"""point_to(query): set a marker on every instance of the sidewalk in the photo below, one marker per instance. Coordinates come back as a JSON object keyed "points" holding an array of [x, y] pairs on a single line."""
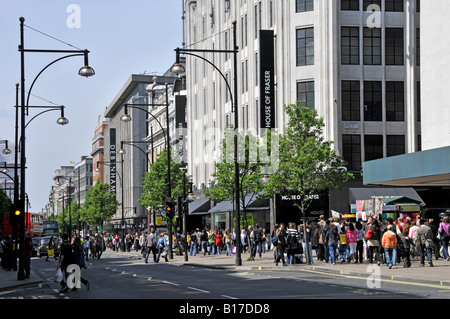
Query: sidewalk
{"points": [[437, 275]]}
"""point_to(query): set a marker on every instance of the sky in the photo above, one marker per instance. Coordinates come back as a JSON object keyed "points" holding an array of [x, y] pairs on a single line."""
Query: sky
{"points": [[123, 37]]}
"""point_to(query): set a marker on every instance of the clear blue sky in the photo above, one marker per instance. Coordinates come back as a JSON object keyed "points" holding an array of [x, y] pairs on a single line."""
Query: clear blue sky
{"points": [[124, 38]]}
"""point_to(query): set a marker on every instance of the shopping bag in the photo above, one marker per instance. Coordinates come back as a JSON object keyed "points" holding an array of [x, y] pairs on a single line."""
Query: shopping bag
{"points": [[58, 275], [233, 249], [51, 253]]}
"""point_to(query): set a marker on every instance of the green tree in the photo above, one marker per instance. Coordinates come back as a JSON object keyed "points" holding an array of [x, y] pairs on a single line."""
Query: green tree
{"points": [[308, 166], [99, 206], [223, 185], [154, 184], [73, 214]]}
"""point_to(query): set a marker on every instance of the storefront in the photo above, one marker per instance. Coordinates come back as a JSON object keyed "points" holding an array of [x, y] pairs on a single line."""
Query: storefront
{"points": [[385, 202]]}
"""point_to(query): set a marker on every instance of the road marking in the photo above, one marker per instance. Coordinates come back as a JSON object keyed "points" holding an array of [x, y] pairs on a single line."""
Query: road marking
{"points": [[200, 290], [170, 283], [381, 279], [229, 297]]}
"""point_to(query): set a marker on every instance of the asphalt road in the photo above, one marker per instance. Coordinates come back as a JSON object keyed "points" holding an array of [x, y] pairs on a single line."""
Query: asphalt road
{"points": [[125, 278]]}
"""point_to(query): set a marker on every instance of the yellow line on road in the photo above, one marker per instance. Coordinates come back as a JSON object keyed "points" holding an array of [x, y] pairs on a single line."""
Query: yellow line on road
{"points": [[381, 279]]}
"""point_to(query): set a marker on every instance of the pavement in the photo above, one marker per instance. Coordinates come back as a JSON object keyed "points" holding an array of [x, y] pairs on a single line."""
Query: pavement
{"points": [[436, 276]]}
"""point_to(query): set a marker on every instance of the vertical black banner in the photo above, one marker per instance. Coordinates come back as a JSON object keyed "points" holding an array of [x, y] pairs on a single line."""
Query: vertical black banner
{"points": [[181, 129], [112, 160], [267, 78]]}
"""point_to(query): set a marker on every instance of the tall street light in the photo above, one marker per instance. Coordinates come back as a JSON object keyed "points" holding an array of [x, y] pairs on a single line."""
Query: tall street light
{"points": [[178, 68], [126, 118], [85, 71]]}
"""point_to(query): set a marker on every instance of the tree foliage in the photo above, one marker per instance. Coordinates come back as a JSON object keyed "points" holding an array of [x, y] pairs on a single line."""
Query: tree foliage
{"points": [[100, 205], [308, 165], [154, 184]]}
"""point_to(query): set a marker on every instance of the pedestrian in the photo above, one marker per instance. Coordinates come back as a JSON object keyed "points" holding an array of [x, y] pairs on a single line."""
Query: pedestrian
{"points": [[150, 246], [79, 259], [407, 243], [228, 239], [28, 252], [444, 233], [359, 254], [257, 242], [425, 240], [86, 247], [331, 240], [321, 224], [264, 244], [116, 243], [281, 244], [413, 235], [211, 242], [373, 241], [366, 240], [142, 243], [243, 241], [306, 237], [343, 243], [137, 242], [293, 243], [193, 243], [219, 241], [162, 247], [65, 259], [436, 241], [352, 240], [204, 242], [99, 245], [51, 248], [389, 242], [274, 242]]}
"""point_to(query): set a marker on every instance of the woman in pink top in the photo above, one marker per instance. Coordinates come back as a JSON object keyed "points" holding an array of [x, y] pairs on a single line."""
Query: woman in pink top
{"points": [[352, 239], [412, 234], [444, 232]]}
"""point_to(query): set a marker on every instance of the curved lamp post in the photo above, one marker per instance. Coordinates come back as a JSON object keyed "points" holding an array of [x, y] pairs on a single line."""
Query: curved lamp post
{"points": [[178, 68], [85, 71]]}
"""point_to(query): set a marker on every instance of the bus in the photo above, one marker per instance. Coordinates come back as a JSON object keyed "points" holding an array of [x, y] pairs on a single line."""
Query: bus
{"points": [[33, 224], [50, 228]]}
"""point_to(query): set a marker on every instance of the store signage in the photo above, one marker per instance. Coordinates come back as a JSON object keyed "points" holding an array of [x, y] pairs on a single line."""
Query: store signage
{"points": [[112, 160], [267, 79], [180, 130]]}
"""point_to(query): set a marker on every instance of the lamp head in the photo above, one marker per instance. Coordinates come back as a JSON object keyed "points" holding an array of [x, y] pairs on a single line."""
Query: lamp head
{"points": [[86, 71]]}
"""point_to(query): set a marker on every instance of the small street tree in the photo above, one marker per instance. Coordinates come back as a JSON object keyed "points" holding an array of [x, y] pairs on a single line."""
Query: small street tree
{"points": [[223, 187], [308, 166], [99, 206], [154, 184]]}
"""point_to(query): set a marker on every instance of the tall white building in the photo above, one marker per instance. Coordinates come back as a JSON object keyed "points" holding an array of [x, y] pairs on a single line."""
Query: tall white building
{"points": [[355, 61]]}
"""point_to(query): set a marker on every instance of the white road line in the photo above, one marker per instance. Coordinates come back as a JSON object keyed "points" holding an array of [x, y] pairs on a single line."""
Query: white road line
{"points": [[229, 297], [200, 290], [170, 283]]}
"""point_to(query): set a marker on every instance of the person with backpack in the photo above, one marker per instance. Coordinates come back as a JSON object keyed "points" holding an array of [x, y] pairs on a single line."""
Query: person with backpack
{"points": [[281, 244], [257, 242], [332, 239], [293, 243], [161, 246]]}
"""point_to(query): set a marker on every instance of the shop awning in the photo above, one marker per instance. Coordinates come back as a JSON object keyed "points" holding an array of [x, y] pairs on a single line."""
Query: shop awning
{"points": [[199, 207], [252, 204], [393, 195]]}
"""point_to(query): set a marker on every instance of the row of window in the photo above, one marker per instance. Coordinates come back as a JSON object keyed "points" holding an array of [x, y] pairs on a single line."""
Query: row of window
{"points": [[350, 46], [372, 99], [354, 5], [373, 148]]}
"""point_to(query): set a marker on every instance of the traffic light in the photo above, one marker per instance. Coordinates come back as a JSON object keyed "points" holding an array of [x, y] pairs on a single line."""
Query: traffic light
{"points": [[170, 207], [14, 213]]}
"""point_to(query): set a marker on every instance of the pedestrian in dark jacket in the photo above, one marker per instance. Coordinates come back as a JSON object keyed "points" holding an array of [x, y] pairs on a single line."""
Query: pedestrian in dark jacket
{"points": [[407, 243], [332, 239], [281, 246]]}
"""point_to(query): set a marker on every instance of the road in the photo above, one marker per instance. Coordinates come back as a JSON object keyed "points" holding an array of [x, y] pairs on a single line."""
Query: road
{"points": [[124, 277]]}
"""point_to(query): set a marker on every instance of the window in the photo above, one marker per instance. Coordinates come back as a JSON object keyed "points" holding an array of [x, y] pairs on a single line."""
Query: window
{"points": [[350, 101], [372, 101], [367, 3], [304, 5], [373, 147], [372, 46], [350, 45], [394, 5], [352, 5], [394, 46], [352, 151], [395, 145], [395, 101], [418, 46], [305, 93], [305, 46]]}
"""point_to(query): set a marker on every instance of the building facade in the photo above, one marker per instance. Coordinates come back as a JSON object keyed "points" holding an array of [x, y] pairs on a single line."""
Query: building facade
{"points": [[355, 61]]}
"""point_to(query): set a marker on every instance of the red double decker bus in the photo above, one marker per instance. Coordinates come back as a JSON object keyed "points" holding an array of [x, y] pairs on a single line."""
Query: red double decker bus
{"points": [[34, 223]]}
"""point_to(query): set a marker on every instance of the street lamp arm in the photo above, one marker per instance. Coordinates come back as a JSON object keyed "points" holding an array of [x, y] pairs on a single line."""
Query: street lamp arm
{"points": [[46, 67], [133, 106], [49, 110], [189, 52]]}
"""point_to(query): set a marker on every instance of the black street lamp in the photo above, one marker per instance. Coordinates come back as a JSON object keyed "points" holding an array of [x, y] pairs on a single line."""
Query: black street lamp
{"points": [[86, 71], [178, 68], [126, 118]]}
